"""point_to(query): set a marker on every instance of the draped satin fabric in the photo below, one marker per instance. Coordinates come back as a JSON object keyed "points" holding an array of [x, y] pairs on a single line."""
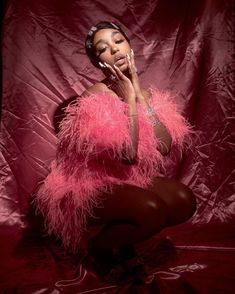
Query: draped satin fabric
{"points": [[185, 47]]}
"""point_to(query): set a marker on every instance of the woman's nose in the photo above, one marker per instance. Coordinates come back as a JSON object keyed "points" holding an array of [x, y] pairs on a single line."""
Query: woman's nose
{"points": [[114, 49]]}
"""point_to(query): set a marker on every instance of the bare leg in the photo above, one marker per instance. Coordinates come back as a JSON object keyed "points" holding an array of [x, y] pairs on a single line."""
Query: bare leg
{"points": [[179, 199], [132, 214]]}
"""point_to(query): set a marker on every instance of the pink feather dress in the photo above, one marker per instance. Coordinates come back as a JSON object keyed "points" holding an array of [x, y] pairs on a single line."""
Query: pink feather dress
{"points": [[91, 140]]}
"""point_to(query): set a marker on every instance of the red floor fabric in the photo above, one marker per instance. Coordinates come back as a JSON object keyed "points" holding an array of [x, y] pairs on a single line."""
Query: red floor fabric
{"points": [[183, 46]]}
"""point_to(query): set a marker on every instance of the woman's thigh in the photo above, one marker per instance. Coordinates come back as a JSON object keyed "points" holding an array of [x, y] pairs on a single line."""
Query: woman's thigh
{"points": [[165, 201], [129, 204]]}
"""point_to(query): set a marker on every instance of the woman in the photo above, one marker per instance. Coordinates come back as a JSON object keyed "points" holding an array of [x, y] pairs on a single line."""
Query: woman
{"points": [[113, 144]]}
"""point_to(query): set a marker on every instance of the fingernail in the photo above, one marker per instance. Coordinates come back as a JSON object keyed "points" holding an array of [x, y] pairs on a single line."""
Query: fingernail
{"points": [[101, 64], [128, 57], [106, 64], [132, 52], [115, 66]]}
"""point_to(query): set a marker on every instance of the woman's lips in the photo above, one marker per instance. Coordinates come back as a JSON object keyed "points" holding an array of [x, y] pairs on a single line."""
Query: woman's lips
{"points": [[120, 61]]}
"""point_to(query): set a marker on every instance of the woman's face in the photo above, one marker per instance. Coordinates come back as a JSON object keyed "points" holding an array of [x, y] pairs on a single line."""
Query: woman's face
{"points": [[111, 47]]}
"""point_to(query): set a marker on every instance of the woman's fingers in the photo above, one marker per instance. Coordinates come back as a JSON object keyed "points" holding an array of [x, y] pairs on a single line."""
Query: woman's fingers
{"points": [[133, 60], [108, 67], [131, 64], [116, 73], [132, 57], [119, 73], [112, 70], [128, 59]]}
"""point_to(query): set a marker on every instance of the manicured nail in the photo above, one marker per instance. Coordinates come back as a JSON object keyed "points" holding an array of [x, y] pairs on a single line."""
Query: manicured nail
{"points": [[106, 64], [128, 57], [132, 52], [101, 65]]}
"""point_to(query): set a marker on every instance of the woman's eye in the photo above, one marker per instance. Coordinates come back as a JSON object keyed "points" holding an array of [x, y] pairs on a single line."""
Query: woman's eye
{"points": [[101, 50], [119, 41]]}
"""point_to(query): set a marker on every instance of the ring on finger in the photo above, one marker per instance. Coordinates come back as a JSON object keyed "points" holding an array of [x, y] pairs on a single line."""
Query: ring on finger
{"points": [[112, 77]]}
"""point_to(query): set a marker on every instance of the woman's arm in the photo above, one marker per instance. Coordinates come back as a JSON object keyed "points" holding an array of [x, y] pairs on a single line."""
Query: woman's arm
{"points": [[130, 156], [160, 130]]}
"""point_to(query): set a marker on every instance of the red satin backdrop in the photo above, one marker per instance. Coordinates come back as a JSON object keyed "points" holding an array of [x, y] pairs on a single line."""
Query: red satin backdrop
{"points": [[184, 46]]}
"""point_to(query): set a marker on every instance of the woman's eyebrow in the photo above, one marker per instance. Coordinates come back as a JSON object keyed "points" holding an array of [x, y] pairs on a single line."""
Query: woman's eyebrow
{"points": [[103, 41]]}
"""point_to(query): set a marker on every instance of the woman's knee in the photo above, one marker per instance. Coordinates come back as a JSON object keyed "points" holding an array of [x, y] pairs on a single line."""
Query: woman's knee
{"points": [[135, 206], [187, 200]]}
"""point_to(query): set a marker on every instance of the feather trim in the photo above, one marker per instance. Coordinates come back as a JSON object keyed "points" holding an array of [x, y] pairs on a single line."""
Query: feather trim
{"points": [[181, 131], [91, 141]]}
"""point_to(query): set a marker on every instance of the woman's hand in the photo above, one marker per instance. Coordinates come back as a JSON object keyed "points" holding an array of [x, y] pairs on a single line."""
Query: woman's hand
{"points": [[121, 84], [133, 75]]}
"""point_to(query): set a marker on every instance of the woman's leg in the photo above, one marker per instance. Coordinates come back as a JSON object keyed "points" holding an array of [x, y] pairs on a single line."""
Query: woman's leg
{"points": [[131, 215], [179, 199]]}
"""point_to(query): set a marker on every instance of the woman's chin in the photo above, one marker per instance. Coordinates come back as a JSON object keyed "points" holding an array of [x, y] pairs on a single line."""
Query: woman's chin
{"points": [[123, 68]]}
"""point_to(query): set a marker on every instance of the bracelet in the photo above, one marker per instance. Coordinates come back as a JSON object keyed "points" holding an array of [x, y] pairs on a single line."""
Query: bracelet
{"points": [[155, 121], [150, 111]]}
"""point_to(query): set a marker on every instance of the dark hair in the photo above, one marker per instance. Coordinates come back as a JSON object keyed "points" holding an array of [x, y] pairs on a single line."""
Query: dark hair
{"points": [[90, 37]]}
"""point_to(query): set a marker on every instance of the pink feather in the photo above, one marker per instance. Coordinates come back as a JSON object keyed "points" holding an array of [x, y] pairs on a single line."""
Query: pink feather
{"points": [[92, 137]]}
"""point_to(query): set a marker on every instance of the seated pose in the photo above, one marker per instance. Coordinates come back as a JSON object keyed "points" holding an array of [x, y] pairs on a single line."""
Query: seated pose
{"points": [[114, 142]]}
